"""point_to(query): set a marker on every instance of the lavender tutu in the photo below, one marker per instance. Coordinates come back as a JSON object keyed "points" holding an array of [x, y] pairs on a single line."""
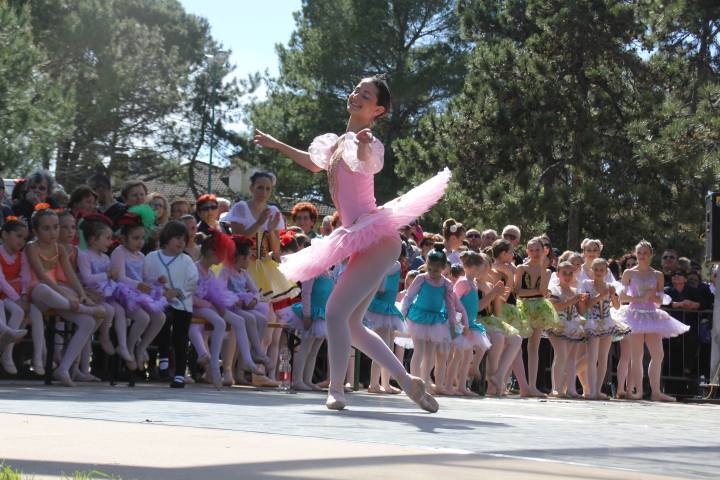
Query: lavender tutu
{"points": [[213, 290], [650, 321], [132, 299], [368, 230]]}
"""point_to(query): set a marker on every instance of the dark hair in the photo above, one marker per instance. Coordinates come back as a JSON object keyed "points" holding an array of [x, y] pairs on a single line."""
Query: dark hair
{"points": [[437, 255], [171, 230], [42, 176], [384, 97], [625, 258], [205, 241], [65, 213], [13, 226], [449, 224], [679, 273], [291, 245], [471, 259], [499, 246], [92, 229], [100, 180], [243, 245], [303, 240], [457, 270], [39, 215], [79, 194], [258, 175]]}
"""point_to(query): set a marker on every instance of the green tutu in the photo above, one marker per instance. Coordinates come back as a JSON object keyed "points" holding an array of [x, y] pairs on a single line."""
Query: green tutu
{"points": [[494, 324], [539, 313], [511, 315]]}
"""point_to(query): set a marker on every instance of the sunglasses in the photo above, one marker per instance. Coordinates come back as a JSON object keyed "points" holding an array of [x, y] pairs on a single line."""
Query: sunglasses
{"points": [[208, 208]]}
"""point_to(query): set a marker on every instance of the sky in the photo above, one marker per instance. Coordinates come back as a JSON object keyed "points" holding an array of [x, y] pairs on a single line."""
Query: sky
{"points": [[249, 28]]}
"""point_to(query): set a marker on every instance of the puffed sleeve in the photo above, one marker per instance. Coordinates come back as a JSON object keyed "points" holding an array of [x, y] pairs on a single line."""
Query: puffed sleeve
{"points": [[321, 149], [238, 214], [370, 166], [281, 224]]}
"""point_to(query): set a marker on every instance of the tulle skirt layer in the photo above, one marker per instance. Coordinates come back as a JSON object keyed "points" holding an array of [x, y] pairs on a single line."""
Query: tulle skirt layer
{"points": [[132, 299], [377, 321], [273, 285], [511, 315], [570, 329], [539, 312], [651, 321], [495, 325], [368, 230], [437, 332]]}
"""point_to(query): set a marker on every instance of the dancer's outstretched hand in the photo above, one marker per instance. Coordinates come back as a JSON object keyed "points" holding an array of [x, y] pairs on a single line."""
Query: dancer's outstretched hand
{"points": [[365, 136], [265, 140]]}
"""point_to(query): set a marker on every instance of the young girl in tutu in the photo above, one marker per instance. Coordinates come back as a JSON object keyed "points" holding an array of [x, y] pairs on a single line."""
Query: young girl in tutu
{"points": [[212, 302], [569, 332], [51, 270], [250, 306], [368, 235], [311, 312], [600, 327], [454, 234], [142, 303], [643, 289], [14, 285], [532, 281], [385, 319], [428, 306], [473, 340], [493, 295]]}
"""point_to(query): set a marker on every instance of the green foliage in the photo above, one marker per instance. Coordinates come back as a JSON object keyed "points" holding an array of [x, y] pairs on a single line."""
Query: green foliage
{"points": [[34, 111]]}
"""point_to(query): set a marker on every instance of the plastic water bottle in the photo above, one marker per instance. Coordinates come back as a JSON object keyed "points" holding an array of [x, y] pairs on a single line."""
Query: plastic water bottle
{"points": [[285, 370]]}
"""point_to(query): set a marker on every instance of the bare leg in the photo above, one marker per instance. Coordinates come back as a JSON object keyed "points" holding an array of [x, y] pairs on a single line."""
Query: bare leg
{"points": [[570, 372], [655, 347], [603, 351], [310, 363], [591, 369], [637, 345], [493, 362], [510, 353], [533, 359], [559, 366]]}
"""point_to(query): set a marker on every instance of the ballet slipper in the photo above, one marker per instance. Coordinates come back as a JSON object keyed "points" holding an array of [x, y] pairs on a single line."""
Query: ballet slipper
{"points": [[203, 361], [7, 364], [535, 393], [216, 379], [38, 365], [391, 390], [377, 389], [335, 401], [416, 392], [85, 377], [242, 381], [263, 382], [315, 388], [63, 376], [254, 369], [301, 386], [227, 379], [16, 335], [661, 397], [554, 394], [324, 384], [620, 395]]}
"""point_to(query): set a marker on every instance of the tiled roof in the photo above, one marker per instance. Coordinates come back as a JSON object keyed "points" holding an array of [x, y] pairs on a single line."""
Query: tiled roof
{"points": [[174, 191]]}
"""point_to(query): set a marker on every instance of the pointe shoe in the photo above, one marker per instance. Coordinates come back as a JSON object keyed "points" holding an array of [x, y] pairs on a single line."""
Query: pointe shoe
{"points": [[417, 393], [63, 376], [8, 365], [263, 382], [203, 361], [254, 369], [335, 401]]}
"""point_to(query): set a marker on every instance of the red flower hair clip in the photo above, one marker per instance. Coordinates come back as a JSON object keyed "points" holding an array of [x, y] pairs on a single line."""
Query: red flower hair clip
{"points": [[286, 237], [97, 217], [129, 219], [10, 218]]}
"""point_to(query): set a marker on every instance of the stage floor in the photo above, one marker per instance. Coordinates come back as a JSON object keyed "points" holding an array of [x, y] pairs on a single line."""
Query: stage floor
{"points": [[244, 433]]}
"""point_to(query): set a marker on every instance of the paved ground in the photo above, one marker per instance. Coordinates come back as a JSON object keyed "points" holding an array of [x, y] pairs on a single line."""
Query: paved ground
{"points": [[242, 433]]}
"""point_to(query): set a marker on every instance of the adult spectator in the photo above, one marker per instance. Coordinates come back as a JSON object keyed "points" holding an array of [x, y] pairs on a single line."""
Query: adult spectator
{"points": [[159, 204], [37, 188], [326, 228], [106, 203], [474, 240], [707, 299], [487, 238], [511, 233], [223, 205], [5, 209], [629, 260], [668, 263], [134, 192], [207, 211], [83, 200], [305, 215], [683, 296], [179, 208]]}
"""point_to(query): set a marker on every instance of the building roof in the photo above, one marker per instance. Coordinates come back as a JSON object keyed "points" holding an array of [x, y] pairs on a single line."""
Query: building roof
{"points": [[174, 191]]}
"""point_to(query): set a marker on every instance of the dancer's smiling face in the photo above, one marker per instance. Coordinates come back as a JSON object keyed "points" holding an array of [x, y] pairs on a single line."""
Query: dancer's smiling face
{"points": [[363, 102]]}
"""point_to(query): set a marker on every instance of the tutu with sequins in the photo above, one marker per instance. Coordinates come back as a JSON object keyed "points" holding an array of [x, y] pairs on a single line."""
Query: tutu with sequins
{"points": [[364, 223]]}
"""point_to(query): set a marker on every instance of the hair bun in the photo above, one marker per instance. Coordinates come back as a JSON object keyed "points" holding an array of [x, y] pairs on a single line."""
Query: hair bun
{"points": [[439, 247]]}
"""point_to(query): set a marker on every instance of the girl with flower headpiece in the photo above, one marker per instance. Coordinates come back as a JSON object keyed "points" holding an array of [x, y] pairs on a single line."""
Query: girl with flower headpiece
{"points": [[142, 302]]}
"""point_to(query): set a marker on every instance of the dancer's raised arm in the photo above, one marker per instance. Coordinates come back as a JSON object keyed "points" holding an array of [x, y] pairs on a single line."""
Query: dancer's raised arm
{"points": [[300, 157]]}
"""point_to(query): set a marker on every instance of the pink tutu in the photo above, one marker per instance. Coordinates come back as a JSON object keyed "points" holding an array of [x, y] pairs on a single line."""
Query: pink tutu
{"points": [[378, 321], [132, 299], [651, 321], [436, 332], [368, 230], [479, 339]]}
